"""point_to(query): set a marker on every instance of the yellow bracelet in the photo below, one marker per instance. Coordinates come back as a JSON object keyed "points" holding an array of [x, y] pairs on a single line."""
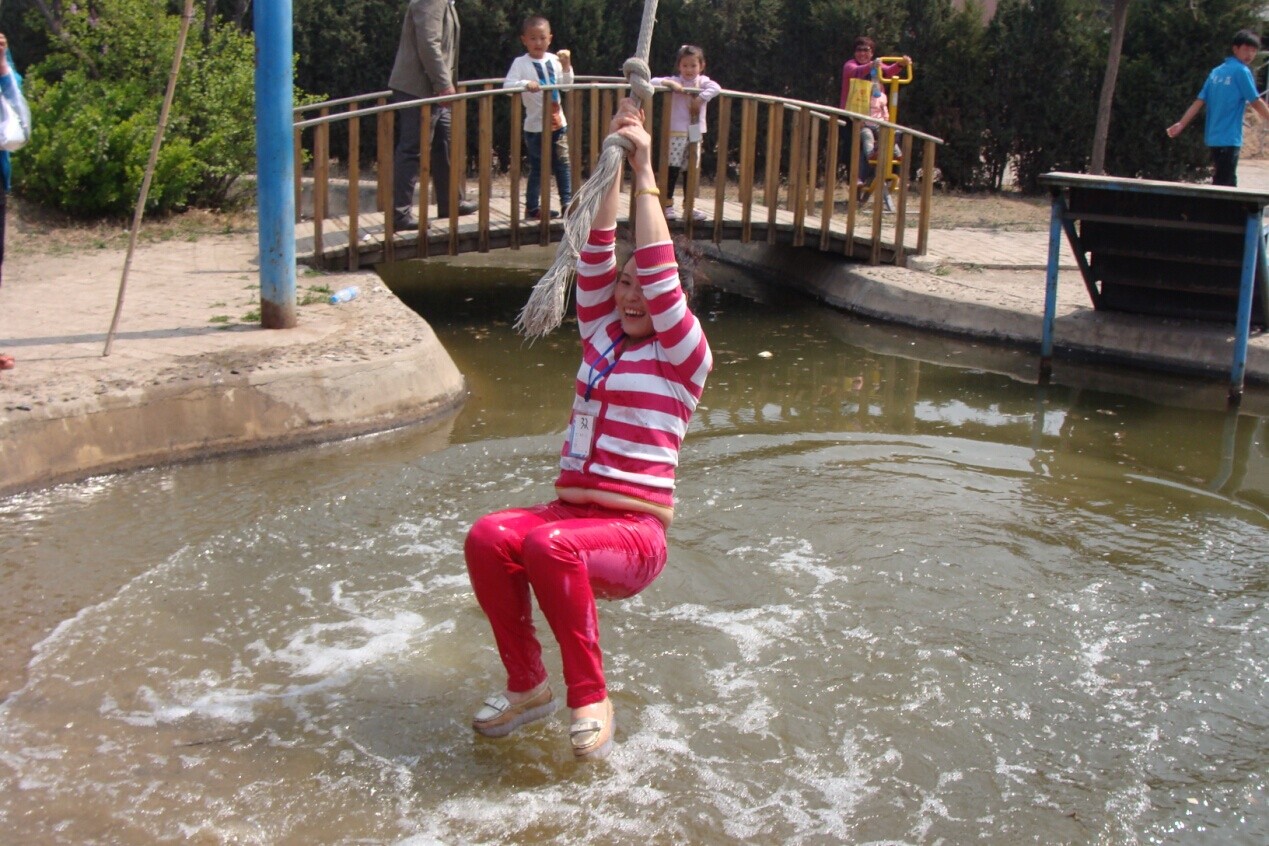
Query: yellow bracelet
{"points": [[656, 192]]}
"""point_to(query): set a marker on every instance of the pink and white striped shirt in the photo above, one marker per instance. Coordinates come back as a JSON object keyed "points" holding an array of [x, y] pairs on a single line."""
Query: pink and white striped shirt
{"points": [[643, 404]]}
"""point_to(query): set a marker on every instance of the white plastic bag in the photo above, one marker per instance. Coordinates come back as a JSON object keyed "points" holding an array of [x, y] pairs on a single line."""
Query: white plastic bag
{"points": [[15, 122]]}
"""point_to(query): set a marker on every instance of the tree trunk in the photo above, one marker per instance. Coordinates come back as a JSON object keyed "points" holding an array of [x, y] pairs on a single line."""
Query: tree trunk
{"points": [[1119, 20]]}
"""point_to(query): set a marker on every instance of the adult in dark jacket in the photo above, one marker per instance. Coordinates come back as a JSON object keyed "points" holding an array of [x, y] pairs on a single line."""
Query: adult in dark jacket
{"points": [[426, 65]]}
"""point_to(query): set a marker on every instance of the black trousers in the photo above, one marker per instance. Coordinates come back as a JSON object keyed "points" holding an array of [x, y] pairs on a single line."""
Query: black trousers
{"points": [[1225, 160], [4, 204], [405, 159]]}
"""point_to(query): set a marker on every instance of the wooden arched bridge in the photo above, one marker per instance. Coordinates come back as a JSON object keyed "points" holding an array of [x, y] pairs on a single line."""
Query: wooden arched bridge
{"points": [[787, 172]]}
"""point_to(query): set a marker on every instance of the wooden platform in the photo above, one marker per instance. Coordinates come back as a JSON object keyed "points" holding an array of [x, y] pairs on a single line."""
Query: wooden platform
{"points": [[1163, 249]]}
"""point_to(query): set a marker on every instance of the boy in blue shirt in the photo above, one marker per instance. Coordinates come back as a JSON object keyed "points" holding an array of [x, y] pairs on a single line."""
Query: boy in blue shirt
{"points": [[1227, 91]]}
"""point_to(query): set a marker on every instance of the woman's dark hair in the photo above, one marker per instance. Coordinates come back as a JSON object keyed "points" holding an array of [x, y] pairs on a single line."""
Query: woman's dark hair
{"points": [[686, 254], [865, 41]]}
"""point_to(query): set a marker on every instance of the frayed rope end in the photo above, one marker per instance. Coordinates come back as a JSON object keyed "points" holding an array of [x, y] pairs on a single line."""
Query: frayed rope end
{"points": [[544, 310]]}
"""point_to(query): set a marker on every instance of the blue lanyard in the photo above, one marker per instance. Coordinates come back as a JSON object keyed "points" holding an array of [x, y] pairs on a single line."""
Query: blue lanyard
{"points": [[595, 377]]}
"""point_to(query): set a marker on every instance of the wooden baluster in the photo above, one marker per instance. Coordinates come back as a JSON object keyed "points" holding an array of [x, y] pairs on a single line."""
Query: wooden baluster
{"points": [[901, 200], [593, 125], [748, 147], [663, 145], [354, 188], [852, 180], [485, 159], [544, 184], [812, 159], [423, 243], [383, 157], [775, 148], [297, 153], [387, 125], [797, 197], [720, 172], [830, 182], [517, 154], [457, 168], [321, 185], [574, 133], [927, 196]]}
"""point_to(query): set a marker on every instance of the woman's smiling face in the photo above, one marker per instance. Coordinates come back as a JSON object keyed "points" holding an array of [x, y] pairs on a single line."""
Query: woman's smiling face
{"points": [[632, 306]]}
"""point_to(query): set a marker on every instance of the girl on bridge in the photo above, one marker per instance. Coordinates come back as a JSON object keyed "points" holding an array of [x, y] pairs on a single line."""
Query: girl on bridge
{"points": [[644, 363], [687, 116]]}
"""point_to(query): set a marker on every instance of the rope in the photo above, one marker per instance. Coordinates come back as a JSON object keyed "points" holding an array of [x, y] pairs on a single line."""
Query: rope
{"points": [[544, 310]]}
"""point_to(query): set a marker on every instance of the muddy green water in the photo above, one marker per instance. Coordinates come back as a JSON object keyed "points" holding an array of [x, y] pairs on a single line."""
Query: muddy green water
{"points": [[911, 599]]}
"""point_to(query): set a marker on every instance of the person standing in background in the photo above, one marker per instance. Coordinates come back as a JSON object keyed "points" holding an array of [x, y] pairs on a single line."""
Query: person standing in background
{"points": [[687, 117], [426, 65], [10, 85], [1226, 93], [862, 64], [530, 72]]}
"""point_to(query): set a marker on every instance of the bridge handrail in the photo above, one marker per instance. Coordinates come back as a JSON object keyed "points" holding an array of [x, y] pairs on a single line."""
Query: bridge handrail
{"points": [[802, 183], [461, 86], [602, 83]]}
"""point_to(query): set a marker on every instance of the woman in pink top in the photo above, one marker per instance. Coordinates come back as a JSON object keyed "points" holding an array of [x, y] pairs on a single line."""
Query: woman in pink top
{"points": [[861, 65], [644, 363]]}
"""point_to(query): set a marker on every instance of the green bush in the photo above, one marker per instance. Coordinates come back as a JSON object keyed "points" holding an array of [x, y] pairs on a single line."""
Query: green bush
{"points": [[95, 102], [89, 148], [952, 95]]}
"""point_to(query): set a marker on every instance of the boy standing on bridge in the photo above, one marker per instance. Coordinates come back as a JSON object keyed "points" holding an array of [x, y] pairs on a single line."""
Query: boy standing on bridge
{"points": [[529, 73], [1227, 91]]}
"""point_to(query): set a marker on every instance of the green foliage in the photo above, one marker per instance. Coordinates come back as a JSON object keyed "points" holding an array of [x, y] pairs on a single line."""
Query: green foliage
{"points": [[952, 96], [1052, 53], [347, 46], [214, 109], [95, 101], [1016, 95], [94, 161]]}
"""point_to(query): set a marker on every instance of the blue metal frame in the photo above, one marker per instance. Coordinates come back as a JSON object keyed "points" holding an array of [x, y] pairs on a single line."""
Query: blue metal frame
{"points": [[275, 163], [1254, 257]]}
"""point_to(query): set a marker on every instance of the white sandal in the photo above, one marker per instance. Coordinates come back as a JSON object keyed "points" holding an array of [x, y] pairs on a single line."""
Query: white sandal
{"points": [[498, 717], [592, 738]]}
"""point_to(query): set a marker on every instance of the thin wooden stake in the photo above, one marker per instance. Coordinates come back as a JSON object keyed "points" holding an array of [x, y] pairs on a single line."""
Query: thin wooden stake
{"points": [[186, 16]]}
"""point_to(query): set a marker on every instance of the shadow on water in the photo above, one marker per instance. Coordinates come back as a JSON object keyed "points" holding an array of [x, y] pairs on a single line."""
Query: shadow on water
{"points": [[912, 598]]}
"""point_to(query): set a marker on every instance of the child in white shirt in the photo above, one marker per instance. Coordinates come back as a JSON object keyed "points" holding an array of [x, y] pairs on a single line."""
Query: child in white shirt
{"points": [[529, 73]]}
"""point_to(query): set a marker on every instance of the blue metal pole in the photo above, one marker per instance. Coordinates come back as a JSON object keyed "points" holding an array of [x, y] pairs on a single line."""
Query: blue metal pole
{"points": [[1242, 323], [1050, 288], [275, 163]]}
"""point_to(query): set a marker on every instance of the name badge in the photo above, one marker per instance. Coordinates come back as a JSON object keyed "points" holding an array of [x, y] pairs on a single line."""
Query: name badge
{"points": [[581, 430]]}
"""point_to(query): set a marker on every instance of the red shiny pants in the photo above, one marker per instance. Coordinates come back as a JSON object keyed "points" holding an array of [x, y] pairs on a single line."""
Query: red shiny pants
{"points": [[569, 555]]}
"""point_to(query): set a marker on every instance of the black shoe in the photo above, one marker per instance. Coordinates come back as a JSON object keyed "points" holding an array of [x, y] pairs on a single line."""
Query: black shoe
{"points": [[402, 222], [465, 207], [536, 214]]}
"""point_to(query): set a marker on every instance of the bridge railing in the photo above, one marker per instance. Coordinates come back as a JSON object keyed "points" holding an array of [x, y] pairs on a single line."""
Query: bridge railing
{"points": [[777, 172]]}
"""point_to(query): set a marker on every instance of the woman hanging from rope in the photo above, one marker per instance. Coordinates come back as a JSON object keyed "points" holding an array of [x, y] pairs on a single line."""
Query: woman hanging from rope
{"points": [[644, 363]]}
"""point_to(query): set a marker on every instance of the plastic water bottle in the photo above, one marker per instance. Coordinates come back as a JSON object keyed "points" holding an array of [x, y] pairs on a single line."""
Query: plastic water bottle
{"points": [[343, 295]]}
